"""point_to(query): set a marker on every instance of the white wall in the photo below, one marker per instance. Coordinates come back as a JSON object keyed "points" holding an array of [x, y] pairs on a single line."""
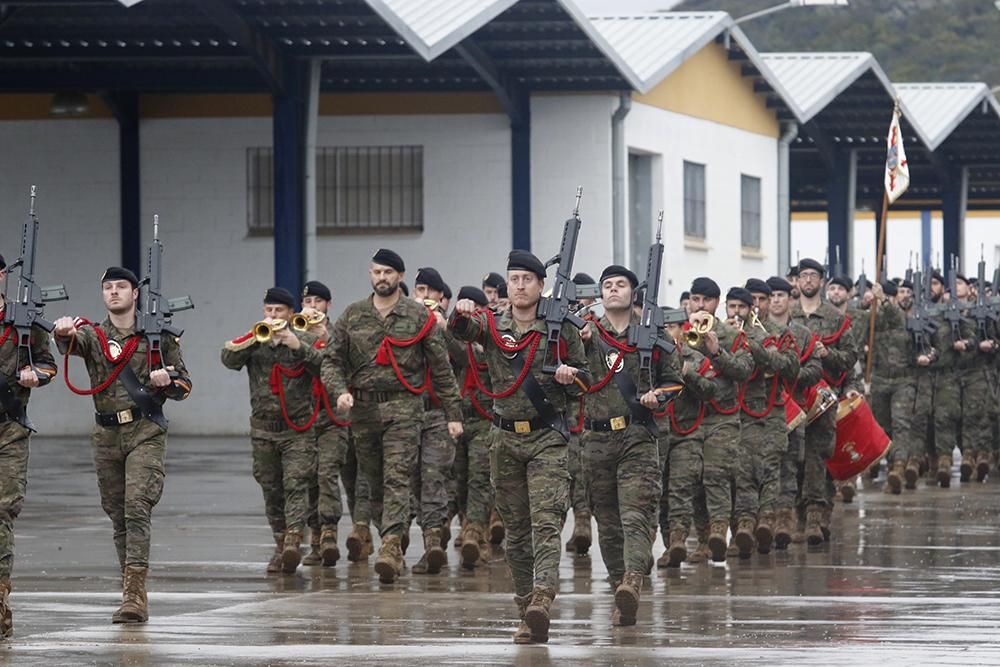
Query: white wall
{"points": [[727, 153]]}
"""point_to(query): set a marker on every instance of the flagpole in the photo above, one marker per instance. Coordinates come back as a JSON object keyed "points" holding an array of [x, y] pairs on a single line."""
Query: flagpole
{"points": [[875, 305]]}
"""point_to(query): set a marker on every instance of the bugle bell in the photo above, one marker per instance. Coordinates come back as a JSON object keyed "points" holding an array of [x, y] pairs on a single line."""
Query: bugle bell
{"points": [[302, 321], [698, 329], [264, 330]]}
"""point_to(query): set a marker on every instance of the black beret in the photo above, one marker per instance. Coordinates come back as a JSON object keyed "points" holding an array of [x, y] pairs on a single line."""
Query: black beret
{"points": [[792, 270], [890, 288], [502, 291], [779, 284], [758, 285], [429, 276], [809, 263], [446, 292], [522, 260], [706, 287], [973, 280], [936, 275], [582, 278], [279, 295], [897, 280], [387, 257], [908, 284], [3, 263], [494, 280], [473, 293], [959, 276], [618, 270], [119, 273], [843, 281], [685, 295], [316, 288], [404, 289], [740, 294]]}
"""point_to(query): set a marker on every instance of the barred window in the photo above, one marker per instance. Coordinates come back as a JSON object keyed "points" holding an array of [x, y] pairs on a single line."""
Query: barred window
{"points": [[694, 200], [358, 189], [750, 211]]}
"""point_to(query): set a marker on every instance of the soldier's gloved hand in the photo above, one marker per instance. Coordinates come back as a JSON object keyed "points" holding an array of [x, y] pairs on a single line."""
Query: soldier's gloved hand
{"points": [[28, 378], [345, 402], [455, 430], [160, 378], [465, 307], [65, 327], [565, 374]]}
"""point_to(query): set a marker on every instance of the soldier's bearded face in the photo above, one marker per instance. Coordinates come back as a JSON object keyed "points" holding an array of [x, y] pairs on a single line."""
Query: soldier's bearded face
{"points": [[762, 302], [492, 295], [119, 296], [699, 303], [524, 288], [937, 290], [616, 293], [809, 282], [385, 279], [737, 308], [905, 298], [836, 295]]}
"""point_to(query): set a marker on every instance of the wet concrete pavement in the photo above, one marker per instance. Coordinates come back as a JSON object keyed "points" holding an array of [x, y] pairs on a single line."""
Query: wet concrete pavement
{"points": [[907, 579]]}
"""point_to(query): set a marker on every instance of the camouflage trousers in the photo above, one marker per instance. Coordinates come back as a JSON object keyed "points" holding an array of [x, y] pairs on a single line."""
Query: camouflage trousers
{"points": [[532, 495], [624, 473], [912, 417], [821, 436], [947, 411], [469, 485], [979, 403], [763, 443], [356, 489], [284, 463], [663, 452], [722, 437], [790, 478], [431, 470], [682, 474], [13, 485], [129, 461], [331, 451], [387, 439], [579, 475]]}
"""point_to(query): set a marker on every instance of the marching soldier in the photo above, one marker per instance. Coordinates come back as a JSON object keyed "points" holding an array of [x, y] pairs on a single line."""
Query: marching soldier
{"points": [[129, 443], [386, 351], [579, 481], [977, 382], [528, 452], [281, 364], [493, 284], [23, 370]]}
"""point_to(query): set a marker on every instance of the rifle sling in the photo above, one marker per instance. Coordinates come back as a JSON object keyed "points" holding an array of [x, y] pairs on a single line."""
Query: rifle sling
{"points": [[15, 411], [151, 409], [626, 386], [543, 406]]}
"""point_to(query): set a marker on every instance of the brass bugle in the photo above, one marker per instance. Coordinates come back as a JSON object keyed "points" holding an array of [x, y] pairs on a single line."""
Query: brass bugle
{"points": [[698, 329], [263, 330], [432, 304], [302, 321], [755, 320]]}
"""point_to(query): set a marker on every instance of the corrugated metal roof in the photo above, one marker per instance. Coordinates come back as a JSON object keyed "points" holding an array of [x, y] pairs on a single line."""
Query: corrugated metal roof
{"points": [[432, 27], [815, 79], [938, 108]]}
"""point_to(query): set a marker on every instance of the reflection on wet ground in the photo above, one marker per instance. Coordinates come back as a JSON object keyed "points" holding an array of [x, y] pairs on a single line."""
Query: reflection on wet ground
{"points": [[909, 578]]}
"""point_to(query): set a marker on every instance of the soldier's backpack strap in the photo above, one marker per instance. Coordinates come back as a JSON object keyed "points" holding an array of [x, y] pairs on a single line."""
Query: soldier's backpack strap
{"points": [[543, 406], [151, 409]]}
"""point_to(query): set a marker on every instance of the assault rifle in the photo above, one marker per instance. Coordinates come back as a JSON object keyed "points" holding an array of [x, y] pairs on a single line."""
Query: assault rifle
{"points": [[154, 316], [919, 324], [647, 334], [558, 307], [862, 286], [953, 311], [983, 312]]}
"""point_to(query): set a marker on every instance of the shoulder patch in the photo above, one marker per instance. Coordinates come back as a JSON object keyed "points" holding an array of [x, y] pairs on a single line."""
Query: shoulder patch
{"points": [[241, 343]]}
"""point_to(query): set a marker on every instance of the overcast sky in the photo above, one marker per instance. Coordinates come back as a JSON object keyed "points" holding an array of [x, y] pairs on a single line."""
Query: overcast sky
{"points": [[594, 7]]}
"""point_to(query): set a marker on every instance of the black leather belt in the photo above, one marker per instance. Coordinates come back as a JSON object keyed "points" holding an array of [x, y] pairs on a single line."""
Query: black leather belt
{"points": [[126, 416], [520, 425], [276, 426], [607, 425], [378, 396]]}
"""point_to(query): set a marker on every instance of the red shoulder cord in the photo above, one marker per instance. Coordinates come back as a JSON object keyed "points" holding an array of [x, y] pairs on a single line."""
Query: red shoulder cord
{"points": [[530, 341], [469, 384], [319, 391], [126, 356], [831, 340], [6, 333], [619, 360], [385, 355], [706, 366], [772, 399], [738, 342]]}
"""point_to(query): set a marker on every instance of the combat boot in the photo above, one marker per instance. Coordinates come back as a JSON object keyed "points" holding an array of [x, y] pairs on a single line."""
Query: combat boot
{"points": [[965, 471], [6, 617], [627, 598], [894, 481], [471, 537], [764, 533], [912, 472], [717, 539], [677, 553], [359, 543], [664, 560], [982, 466], [404, 539], [581, 533], [944, 470], [434, 556], [847, 491], [702, 553], [536, 616], [446, 531], [813, 531], [274, 565], [134, 608], [290, 555], [784, 525], [313, 557], [328, 551], [799, 536], [389, 563], [496, 528], [523, 633], [743, 538]]}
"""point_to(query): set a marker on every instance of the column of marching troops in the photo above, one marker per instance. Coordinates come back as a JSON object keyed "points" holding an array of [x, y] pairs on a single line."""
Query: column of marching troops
{"points": [[427, 416]]}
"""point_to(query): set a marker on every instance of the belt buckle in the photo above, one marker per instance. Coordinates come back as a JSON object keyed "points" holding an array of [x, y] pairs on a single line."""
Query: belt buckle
{"points": [[124, 416], [522, 426], [618, 423]]}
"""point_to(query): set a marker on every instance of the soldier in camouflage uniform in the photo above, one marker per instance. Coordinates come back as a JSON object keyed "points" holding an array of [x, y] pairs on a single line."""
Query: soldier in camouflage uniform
{"points": [[987, 337], [579, 482], [22, 370], [837, 351], [978, 393], [283, 409], [129, 447], [620, 450], [732, 364], [528, 453], [386, 351]]}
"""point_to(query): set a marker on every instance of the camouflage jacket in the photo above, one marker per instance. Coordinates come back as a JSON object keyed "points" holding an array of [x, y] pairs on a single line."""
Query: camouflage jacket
{"points": [[732, 366], [689, 404], [775, 366], [948, 358], [608, 401], [475, 329], [274, 368], [87, 344], [826, 322], [811, 368], [893, 356], [350, 359], [13, 359], [323, 421]]}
